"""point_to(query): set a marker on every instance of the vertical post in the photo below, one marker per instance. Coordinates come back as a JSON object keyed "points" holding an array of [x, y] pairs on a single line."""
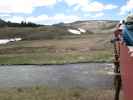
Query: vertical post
{"points": [[117, 78]]}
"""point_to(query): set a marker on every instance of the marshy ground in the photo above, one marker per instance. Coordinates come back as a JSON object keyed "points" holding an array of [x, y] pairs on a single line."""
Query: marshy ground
{"points": [[84, 48]]}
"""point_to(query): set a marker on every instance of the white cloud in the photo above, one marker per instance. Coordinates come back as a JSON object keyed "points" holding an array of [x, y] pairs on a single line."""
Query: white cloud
{"points": [[23, 6], [126, 8], [110, 6], [45, 19], [15, 19], [77, 2], [89, 5], [49, 20], [98, 7], [99, 14], [4, 15]]}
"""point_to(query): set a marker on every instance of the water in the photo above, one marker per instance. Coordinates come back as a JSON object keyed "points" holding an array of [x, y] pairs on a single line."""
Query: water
{"points": [[71, 75]]}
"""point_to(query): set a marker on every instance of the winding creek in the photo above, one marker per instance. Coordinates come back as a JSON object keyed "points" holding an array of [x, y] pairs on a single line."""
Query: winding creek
{"points": [[70, 75]]}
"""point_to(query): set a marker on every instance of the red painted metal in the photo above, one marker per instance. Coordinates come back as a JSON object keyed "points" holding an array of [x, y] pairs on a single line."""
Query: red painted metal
{"points": [[126, 66]]}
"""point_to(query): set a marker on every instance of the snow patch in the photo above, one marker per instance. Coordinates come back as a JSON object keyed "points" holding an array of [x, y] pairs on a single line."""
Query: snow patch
{"points": [[78, 31], [74, 31], [81, 30], [5, 41]]}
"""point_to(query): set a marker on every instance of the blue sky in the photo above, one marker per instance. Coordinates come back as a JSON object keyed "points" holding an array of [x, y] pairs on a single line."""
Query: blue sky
{"points": [[55, 11]]}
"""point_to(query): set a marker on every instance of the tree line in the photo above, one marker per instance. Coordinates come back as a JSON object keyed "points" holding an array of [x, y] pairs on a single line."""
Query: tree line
{"points": [[22, 24]]}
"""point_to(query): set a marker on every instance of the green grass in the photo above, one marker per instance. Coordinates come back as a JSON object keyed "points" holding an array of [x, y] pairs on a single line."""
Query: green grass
{"points": [[45, 93], [48, 58], [87, 48], [70, 49]]}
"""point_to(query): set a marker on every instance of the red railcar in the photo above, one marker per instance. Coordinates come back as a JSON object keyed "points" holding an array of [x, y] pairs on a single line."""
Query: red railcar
{"points": [[124, 66]]}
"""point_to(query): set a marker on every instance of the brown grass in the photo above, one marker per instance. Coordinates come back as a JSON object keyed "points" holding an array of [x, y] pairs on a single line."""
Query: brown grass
{"points": [[44, 93]]}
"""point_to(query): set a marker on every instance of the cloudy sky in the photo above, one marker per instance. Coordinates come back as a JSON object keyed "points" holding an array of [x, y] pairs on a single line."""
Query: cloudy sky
{"points": [[55, 11]]}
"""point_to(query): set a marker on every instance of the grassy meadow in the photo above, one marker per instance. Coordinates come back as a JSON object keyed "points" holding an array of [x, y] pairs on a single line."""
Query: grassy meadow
{"points": [[61, 50], [55, 45]]}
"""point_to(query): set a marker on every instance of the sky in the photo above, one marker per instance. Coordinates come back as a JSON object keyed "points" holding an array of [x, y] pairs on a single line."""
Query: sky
{"points": [[49, 12]]}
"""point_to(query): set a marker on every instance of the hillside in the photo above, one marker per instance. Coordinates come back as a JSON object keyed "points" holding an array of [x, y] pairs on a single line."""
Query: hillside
{"points": [[2, 23], [95, 26], [59, 30]]}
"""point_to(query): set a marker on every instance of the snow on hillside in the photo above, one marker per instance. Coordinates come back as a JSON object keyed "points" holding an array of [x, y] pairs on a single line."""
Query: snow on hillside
{"points": [[78, 31], [74, 31], [81, 30], [5, 41]]}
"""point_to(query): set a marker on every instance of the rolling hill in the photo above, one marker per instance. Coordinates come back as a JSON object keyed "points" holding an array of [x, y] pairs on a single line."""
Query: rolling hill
{"points": [[58, 30]]}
